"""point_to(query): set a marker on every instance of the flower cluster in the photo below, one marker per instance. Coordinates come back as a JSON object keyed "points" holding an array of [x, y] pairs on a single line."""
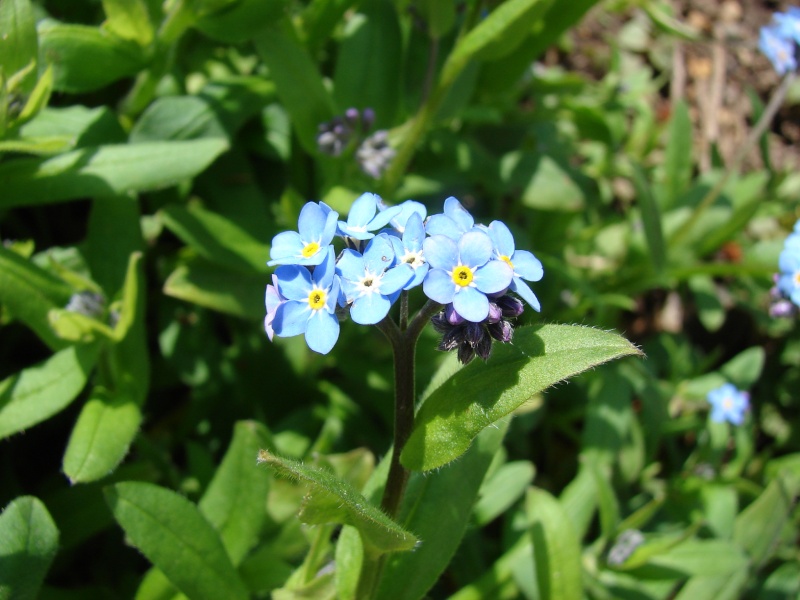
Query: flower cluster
{"points": [[728, 404], [785, 295], [373, 154], [467, 268], [780, 40]]}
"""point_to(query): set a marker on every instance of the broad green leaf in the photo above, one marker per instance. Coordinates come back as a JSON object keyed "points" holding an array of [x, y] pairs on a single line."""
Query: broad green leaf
{"points": [[439, 517], [113, 246], [37, 393], [678, 158], [744, 369], [546, 183], [696, 557], [170, 531], [319, 20], [298, 82], [716, 587], [439, 16], [651, 218], [234, 501], [37, 146], [332, 500], [18, 44], [710, 310], [104, 171], [232, 292], [502, 489], [178, 118], [129, 20], [480, 394], [28, 544], [349, 561], [242, 21], [216, 238], [30, 293], [555, 22], [758, 527], [556, 547], [106, 426], [369, 60], [579, 499], [82, 126], [67, 46]]}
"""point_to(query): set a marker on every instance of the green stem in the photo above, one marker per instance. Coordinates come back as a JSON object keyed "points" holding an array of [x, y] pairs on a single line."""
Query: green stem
{"points": [[733, 169]]}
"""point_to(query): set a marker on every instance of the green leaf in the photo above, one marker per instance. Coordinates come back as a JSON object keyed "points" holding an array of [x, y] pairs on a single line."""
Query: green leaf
{"points": [[439, 517], [556, 547], [178, 118], [66, 47], [234, 502], [37, 393], [28, 544], [697, 557], [129, 20], [546, 183], [651, 218], [205, 284], [502, 489], [104, 171], [241, 21], [102, 435], [439, 16], [480, 394], [678, 160], [369, 61], [30, 293], [744, 369], [716, 587], [216, 238], [170, 531], [298, 82], [19, 45], [332, 500], [758, 527]]}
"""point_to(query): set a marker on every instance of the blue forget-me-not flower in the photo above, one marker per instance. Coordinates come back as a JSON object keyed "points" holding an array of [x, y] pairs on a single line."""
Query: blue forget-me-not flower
{"points": [[788, 281], [524, 264], [779, 40], [309, 245], [362, 220], [728, 404]]}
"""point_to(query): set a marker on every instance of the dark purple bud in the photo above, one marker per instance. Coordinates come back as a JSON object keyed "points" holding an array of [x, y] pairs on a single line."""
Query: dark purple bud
{"points": [[452, 316], [473, 333], [495, 313], [450, 340], [484, 347], [510, 306], [367, 119], [351, 115], [502, 331], [465, 353]]}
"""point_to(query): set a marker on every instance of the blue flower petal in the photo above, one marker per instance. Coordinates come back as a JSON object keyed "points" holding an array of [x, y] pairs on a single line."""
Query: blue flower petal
{"points": [[383, 218], [363, 209], [294, 282], [369, 309], [396, 278], [379, 254], [440, 252], [471, 304], [475, 248], [291, 318], [493, 277], [311, 222], [322, 332], [323, 274], [521, 288], [414, 234], [459, 214], [350, 265], [439, 286], [408, 208], [286, 246], [502, 238], [527, 266], [443, 225]]}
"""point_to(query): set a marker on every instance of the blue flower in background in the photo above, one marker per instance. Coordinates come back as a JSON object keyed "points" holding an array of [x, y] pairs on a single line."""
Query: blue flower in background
{"points": [[524, 264], [455, 221], [362, 220], [778, 40], [728, 404], [371, 282], [408, 249], [788, 282], [464, 273], [309, 245], [310, 303]]}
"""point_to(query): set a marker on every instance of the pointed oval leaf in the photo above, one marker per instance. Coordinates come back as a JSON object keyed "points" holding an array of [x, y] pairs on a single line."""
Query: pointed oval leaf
{"points": [[104, 171], [480, 394], [28, 544], [37, 393], [18, 34], [170, 531], [100, 439], [332, 500]]}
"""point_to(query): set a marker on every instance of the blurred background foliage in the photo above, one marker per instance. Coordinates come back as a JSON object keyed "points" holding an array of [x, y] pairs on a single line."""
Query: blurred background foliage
{"points": [[151, 150]]}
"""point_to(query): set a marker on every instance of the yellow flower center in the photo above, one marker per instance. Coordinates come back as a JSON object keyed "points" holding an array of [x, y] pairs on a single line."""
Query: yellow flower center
{"points": [[462, 275], [310, 249], [316, 299], [507, 260], [797, 278]]}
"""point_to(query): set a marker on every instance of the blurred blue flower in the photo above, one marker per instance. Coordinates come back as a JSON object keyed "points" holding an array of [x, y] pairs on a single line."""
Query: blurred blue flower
{"points": [[362, 220], [455, 221], [788, 282], [316, 226], [789, 23], [778, 48], [273, 299], [728, 404], [408, 249], [310, 303], [371, 282], [464, 273], [524, 264], [374, 155]]}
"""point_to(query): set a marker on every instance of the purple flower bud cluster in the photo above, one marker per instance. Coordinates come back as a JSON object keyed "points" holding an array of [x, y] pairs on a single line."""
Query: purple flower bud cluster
{"points": [[373, 152], [780, 40], [467, 268]]}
